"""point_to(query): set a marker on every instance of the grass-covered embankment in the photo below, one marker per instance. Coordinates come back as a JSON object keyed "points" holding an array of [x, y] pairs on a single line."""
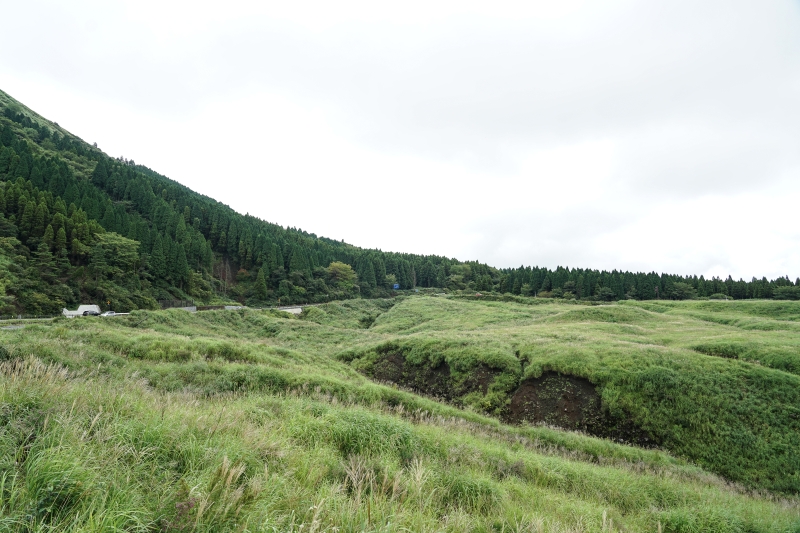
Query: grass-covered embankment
{"points": [[734, 416]]}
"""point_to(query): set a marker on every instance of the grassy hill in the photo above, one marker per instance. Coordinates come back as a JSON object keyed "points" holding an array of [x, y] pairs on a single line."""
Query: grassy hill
{"points": [[415, 414]]}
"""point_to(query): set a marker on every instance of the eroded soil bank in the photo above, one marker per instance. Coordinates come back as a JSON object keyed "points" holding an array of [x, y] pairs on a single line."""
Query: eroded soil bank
{"points": [[559, 400], [570, 402]]}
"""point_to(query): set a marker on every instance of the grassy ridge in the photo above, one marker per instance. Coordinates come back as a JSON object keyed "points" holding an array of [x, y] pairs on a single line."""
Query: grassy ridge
{"points": [[246, 421], [735, 417]]}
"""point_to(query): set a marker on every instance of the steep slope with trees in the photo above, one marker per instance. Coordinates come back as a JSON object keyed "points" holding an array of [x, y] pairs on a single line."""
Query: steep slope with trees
{"points": [[77, 225]]}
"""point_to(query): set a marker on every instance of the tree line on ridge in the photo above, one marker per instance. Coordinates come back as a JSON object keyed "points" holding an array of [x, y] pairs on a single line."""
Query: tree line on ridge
{"points": [[77, 226]]}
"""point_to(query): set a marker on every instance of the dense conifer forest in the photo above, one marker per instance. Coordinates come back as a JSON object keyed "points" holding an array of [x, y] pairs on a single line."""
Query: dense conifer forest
{"points": [[78, 226]]}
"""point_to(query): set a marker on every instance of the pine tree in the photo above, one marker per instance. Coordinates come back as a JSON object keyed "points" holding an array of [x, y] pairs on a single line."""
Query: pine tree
{"points": [[248, 258], [158, 262], [6, 156], [440, 276], [197, 254], [100, 174], [98, 262], [214, 235], [297, 262], [48, 236], [60, 207], [45, 263], [60, 240], [232, 240], [261, 285], [405, 275], [366, 272], [208, 256], [81, 230], [18, 200], [182, 266], [22, 170], [380, 271], [77, 249], [242, 251], [109, 221], [28, 217], [6, 135], [273, 253], [171, 255], [71, 195], [180, 231], [516, 288], [37, 177]]}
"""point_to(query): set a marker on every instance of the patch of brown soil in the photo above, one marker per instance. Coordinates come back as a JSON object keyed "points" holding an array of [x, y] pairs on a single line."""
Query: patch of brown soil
{"points": [[424, 379], [563, 401], [389, 368], [481, 378], [570, 402], [558, 400]]}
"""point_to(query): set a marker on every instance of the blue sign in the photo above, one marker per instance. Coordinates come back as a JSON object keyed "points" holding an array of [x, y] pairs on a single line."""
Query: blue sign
{"points": [[396, 286]]}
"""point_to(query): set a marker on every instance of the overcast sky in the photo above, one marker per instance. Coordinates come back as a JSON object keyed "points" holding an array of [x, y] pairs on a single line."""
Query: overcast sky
{"points": [[644, 136]]}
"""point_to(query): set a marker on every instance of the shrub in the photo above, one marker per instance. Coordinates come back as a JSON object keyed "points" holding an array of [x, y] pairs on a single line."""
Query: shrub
{"points": [[56, 484], [729, 350], [228, 351], [362, 433], [5, 354], [470, 492]]}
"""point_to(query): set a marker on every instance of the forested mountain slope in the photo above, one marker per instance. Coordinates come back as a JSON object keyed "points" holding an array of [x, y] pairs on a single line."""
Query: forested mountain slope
{"points": [[77, 225]]}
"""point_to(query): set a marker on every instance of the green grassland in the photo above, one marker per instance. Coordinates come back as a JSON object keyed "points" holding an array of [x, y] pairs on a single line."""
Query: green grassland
{"points": [[391, 415]]}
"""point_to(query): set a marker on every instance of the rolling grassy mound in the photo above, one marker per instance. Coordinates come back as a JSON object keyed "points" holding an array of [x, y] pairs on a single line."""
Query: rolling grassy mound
{"points": [[262, 421], [664, 377]]}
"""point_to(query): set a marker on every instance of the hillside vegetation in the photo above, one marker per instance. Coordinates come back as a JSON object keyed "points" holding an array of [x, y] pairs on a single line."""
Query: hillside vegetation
{"points": [[78, 226], [415, 414]]}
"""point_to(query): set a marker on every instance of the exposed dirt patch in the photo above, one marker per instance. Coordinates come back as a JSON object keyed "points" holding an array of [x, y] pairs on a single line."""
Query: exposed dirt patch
{"points": [[563, 401], [429, 380], [481, 378], [558, 400], [570, 402], [389, 368], [425, 379]]}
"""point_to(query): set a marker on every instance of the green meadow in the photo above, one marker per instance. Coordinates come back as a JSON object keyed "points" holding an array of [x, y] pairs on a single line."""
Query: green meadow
{"points": [[426, 413]]}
